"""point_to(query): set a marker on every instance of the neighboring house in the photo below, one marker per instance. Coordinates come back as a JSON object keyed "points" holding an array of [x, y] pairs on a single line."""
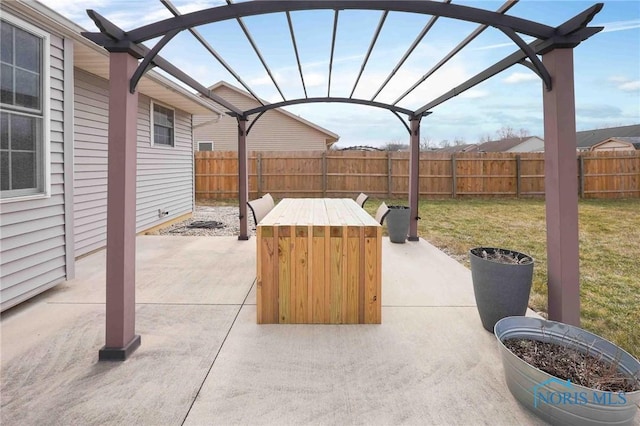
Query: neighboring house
{"points": [[586, 139], [53, 171], [617, 144], [469, 147], [276, 130], [524, 144]]}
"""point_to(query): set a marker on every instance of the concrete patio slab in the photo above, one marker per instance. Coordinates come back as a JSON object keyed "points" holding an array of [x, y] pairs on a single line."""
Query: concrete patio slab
{"points": [[204, 360], [417, 367], [423, 283], [52, 376], [172, 269]]}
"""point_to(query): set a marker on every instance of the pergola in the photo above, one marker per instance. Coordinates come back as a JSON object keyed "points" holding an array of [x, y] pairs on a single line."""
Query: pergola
{"points": [[550, 56]]}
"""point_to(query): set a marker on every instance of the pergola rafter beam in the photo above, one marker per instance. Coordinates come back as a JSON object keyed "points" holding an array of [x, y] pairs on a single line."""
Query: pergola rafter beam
{"points": [[376, 34], [113, 44], [506, 6], [107, 27], [253, 44], [409, 51], [579, 21], [213, 52], [538, 46], [176, 72], [333, 49], [295, 49]]}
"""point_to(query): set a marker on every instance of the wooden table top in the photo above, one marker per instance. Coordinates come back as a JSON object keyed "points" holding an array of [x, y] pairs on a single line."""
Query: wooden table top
{"points": [[318, 212]]}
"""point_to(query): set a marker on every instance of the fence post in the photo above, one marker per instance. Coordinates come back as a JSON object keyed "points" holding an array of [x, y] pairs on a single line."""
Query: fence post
{"points": [[259, 174], [324, 174], [517, 175], [581, 175], [389, 175], [454, 180]]}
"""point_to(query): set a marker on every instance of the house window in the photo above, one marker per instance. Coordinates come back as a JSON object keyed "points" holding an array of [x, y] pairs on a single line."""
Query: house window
{"points": [[205, 146], [24, 144], [162, 120]]}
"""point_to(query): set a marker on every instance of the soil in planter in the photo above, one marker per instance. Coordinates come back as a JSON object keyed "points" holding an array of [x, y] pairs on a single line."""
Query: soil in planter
{"points": [[566, 363], [503, 256]]}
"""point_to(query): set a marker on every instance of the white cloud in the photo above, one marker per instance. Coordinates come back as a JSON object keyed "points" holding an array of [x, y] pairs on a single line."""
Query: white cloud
{"points": [[520, 77], [610, 27], [192, 6], [630, 86], [494, 46], [624, 84], [501, 45], [124, 13], [314, 79], [265, 80], [618, 79]]}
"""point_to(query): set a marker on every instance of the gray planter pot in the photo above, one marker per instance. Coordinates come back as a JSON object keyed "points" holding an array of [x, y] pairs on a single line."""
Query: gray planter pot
{"points": [[543, 393], [398, 223], [501, 289]]}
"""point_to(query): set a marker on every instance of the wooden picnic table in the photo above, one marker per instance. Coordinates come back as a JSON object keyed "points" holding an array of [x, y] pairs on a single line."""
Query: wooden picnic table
{"points": [[319, 261]]}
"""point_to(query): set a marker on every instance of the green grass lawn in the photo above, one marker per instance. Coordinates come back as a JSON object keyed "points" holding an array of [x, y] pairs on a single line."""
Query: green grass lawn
{"points": [[609, 252]]}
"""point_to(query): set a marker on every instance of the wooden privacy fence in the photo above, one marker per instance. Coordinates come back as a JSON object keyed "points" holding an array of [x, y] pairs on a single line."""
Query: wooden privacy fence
{"points": [[602, 174]]}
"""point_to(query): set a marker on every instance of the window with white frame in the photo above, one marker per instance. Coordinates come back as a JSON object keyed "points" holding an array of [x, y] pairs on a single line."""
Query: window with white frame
{"points": [[24, 139], [205, 146], [162, 121]]}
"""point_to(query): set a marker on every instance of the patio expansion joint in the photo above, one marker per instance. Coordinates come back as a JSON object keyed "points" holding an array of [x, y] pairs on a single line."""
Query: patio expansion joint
{"points": [[206, 376], [429, 306], [151, 303]]}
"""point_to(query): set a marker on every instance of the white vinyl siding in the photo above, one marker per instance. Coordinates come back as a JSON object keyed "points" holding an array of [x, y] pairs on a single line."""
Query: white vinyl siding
{"points": [[164, 176], [91, 109], [32, 239], [275, 131]]}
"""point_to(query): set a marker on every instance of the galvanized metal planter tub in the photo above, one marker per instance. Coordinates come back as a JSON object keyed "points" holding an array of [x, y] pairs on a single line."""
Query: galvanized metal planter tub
{"points": [[557, 401]]}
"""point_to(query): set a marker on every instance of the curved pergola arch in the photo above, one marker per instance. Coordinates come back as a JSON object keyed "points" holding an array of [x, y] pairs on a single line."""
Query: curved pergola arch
{"points": [[114, 38], [396, 110], [253, 8], [549, 56]]}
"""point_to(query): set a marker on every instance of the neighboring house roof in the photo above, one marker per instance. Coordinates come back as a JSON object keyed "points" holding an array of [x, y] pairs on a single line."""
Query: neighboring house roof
{"points": [[501, 145], [588, 138], [331, 137], [360, 148], [94, 59], [468, 147]]}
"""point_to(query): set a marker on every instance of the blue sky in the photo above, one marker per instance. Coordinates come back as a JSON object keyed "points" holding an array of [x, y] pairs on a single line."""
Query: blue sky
{"points": [[607, 66]]}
